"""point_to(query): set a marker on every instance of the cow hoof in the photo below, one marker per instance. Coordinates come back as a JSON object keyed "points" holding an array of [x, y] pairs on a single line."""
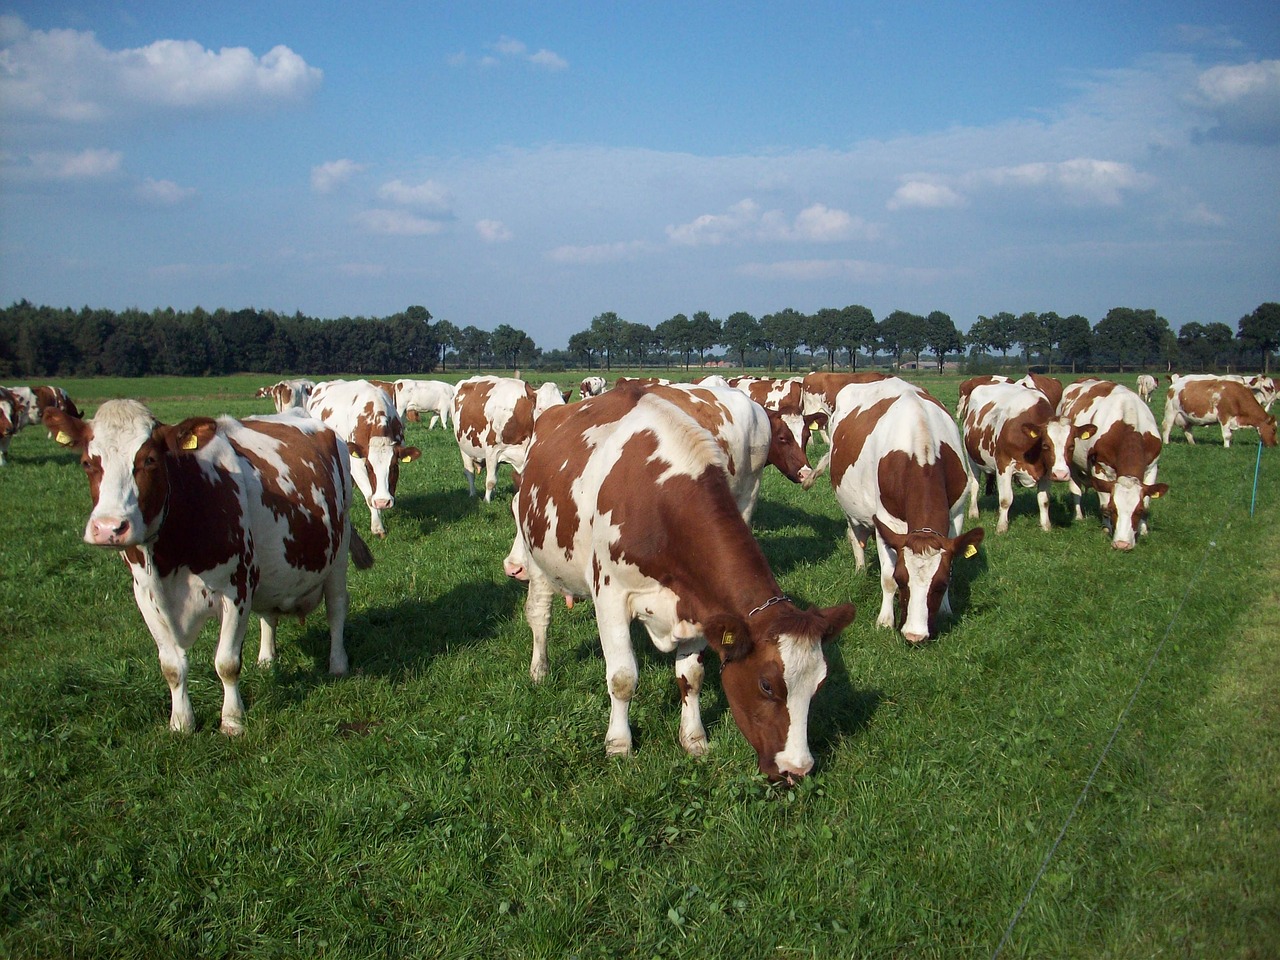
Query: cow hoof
{"points": [[232, 728], [265, 663], [617, 748], [339, 668], [538, 672], [696, 746]]}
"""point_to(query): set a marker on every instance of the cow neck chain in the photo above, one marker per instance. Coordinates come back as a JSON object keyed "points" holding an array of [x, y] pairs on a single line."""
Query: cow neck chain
{"points": [[780, 598], [926, 530]]}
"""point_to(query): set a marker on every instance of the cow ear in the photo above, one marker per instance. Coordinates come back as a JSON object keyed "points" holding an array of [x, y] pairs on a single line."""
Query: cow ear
{"points": [[1032, 432], [816, 421], [1156, 490], [966, 545], [408, 454], [354, 451], [889, 537], [1086, 431], [189, 435], [67, 430], [728, 636], [836, 619]]}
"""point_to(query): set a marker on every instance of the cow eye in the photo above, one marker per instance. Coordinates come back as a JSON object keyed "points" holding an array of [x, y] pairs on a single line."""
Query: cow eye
{"points": [[766, 688]]}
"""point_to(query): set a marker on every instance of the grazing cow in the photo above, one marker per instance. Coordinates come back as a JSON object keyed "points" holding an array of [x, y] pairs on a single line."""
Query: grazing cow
{"points": [[641, 382], [9, 414], [592, 387], [1264, 390], [898, 468], [1195, 400], [750, 436], [787, 398], [433, 396], [819, 391], [1146, 386], [288, 394], [34, 401], [1010, 431], [624, 498], [493, 421], [1051, 387], [219, 518], [365, 417], [1117, 452]]}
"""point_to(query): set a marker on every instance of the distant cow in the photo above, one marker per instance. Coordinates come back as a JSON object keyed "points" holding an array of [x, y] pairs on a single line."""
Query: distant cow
{"points": [[364, 416], [819, 391], [288, 394], [750, 436], [1146, 386], [219, 518], [624, 498], [1118, 454], [787, 398], [419, 396], [898, 469], [1010, 432], [493, 421], [592, 387], [1192, 400], [22, 406], [9, 413]]}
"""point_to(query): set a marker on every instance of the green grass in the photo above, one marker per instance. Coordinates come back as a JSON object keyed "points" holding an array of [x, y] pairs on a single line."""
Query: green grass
{"points": [[436, 803]]}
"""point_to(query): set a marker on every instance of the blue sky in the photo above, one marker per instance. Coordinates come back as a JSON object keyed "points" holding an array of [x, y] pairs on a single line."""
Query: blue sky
{"points": [[540, 163]]}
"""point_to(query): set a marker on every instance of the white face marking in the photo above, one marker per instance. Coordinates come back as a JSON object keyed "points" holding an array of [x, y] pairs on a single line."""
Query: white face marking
{"points": [[1125, 499], [921, 568], [803, 669], [119, 430], [1057, 435], [381, 452]]}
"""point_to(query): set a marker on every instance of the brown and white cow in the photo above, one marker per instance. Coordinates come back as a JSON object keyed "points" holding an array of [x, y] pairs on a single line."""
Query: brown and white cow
{"points": [[898, 469], [750, 436], [365, 417], [819, 391], [414, 397], [786, 396], [1011, 432], [592, 387], [26, 405], [219, 518], [288, 394], [1195, 400], [493, 421], [624, 498], [9, 413], [1146, 387], [1118, 453]]}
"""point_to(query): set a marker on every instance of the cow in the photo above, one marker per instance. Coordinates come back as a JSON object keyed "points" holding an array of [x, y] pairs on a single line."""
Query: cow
{"points": [[1117, 453], [9, 413], [819, 391], [898, 469], [625, 499], [786, 396], [416, 396], [641, 382], [1146, 386], [493, 421], [34, 401], [592, 387], [365, 417], [1195, 400], [1051, 387], [1010, 431], [219, 518], [750, 436], [288, 394]]}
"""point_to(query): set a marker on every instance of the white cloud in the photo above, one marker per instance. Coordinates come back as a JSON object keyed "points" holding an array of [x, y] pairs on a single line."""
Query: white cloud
{"points": [[745, 221], [925, 195], [1243, 100], [327, 177], [96, 164], [164, 193], [600, 252], [397, 223], [509, 48], [493, 231], [549, 61], [1081, 180], [68, 76], [427, 196]]}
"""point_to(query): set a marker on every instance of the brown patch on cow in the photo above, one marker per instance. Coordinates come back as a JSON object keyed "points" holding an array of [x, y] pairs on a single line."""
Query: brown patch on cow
{"points": [[519, 427], [851, 435], [921, 494]]}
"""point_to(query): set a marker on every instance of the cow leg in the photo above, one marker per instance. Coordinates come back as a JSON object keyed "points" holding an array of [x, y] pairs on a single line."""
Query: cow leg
{"points": [[267, 645], [537, 613], [858, 540], [973, 491], [1004, 485], [689, 674], [888, 586], [1226, 436], [1042, 500], [376, 526], [173, 664], [469, 467], [227, 663], [490, 477], [1077, 495], [621, 673], [335, 611]]}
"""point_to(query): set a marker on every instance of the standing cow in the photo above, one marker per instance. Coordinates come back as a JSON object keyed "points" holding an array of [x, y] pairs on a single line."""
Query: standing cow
{"points": [[1195, 400], [592, 387], [363, 415], [9, 413], [493, 421], [431, 396], [624, 498], [219, 518], [898, 469], [1117, 454], [1146, 387], [288, 394]]}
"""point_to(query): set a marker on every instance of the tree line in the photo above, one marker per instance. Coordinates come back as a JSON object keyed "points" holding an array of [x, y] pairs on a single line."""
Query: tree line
{"points": [[41, 341]]}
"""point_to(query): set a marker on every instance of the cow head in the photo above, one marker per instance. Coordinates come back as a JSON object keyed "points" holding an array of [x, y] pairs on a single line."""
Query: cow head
{"points": [[1267, 432], [1126, 507], [922, 572], [784, 452], [1060, 436], [772, 664], [126, 456], [376, 469]]}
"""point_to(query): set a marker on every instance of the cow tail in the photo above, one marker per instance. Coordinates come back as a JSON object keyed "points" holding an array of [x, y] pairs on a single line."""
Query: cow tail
{"points": [[361, 555]]}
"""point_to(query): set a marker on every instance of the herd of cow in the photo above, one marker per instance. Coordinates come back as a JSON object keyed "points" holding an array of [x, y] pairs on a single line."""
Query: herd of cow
{"points": [[639, 497]]}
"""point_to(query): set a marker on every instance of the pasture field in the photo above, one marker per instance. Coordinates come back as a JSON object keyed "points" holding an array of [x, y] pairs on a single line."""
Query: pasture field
{"points": [[1090, 749]]}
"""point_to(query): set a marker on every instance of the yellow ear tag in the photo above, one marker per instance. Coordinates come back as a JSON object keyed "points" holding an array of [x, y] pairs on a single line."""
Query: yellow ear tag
{"points": [[406, 459], [1157, 495], [970, 551], [63, 439], [727, 639], [355, 456], [1033, 434], [190, 442]]}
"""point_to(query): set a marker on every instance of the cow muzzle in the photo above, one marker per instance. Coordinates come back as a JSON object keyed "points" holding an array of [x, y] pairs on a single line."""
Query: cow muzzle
{"points": [[109, 532], [382, 503]]}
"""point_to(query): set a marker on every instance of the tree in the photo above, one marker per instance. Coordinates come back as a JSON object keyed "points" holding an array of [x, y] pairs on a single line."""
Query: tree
{"points": [[858, 329], [785, 329], [447, 335], [511, 344], [583, 344], [740, 332], [825, 331], [607, 330], [993, 333], [942, 337], [903, 332], [636, 339], [1134, 337], [475, 347], [1260, 331], [1075, 341], [1032, 332], [704, 333], [677, 335]]}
